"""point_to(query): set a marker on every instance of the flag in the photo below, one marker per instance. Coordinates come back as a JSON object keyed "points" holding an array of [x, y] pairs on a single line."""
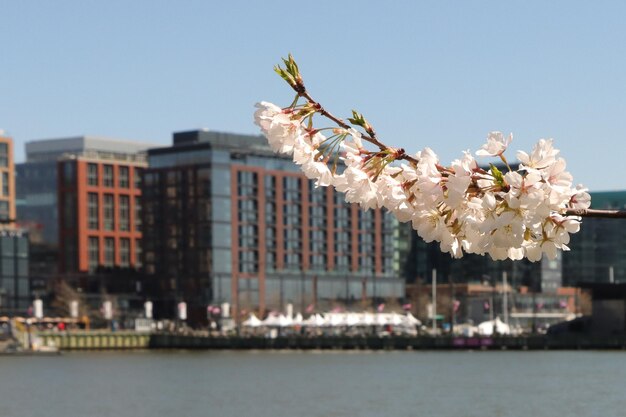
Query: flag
{"points": [[455, 305], [407, 306], [381, 307], [310, 308], [486, 306], [563, 303]]}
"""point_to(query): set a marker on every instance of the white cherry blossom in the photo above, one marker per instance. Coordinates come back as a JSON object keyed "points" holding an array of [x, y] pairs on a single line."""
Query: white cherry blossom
{"points": [[496, 144], [467, 209]]}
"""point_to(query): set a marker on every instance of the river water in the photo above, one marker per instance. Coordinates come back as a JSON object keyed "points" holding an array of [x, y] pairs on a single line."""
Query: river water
{"points": [[314, 384]]}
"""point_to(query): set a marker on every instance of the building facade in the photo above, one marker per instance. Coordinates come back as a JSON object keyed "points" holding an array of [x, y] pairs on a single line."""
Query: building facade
{"points": [[38, 179], [7, 181], [77, 197], [99, 212], [226, 220], [14, 277], [598, 250], [542, 276]]}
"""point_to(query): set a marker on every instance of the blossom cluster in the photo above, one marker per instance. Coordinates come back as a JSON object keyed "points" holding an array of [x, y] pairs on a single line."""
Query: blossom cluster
{"points": [[516, 214]]}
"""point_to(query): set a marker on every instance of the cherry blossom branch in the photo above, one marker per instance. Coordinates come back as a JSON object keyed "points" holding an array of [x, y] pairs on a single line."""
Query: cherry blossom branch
{"points": [[291, 74], [297, 83], [526, 212]]}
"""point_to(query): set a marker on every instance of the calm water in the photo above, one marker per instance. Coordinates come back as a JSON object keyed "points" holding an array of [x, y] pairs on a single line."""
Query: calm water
{"points": [[328, 384]]}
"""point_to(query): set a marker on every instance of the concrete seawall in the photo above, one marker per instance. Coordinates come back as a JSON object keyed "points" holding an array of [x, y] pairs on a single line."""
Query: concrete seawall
{"points": [[540, 342], [97, 340]]}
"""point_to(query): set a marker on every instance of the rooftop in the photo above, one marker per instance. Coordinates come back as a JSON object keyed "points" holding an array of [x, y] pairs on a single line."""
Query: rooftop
{"points": [[52, 149]]}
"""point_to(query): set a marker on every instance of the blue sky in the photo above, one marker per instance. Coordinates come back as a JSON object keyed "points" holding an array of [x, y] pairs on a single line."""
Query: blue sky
{"points": [[439, 74]]}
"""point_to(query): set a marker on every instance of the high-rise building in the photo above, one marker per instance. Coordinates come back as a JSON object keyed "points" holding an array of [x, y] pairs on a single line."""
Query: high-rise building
{"points": [[227, 220], [37, 177], [78, 198], [14, 278], [598, 250]]}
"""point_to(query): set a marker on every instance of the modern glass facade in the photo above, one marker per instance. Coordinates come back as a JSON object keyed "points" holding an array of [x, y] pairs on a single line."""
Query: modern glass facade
{"points": [[598, 251], [260, 234], [543, 276], [15, 297], [14, 277]]}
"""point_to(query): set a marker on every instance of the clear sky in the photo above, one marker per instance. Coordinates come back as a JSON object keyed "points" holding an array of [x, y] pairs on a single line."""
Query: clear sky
{"points": [[440, 74]]}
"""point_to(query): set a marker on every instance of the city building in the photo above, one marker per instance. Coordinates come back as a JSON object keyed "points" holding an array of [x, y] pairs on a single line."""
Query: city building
{"points": [[460, 303], [227, 220], [542, 276], [598, 250], [78, 199], [99, 211], [7, 181], [15, 294], [14, 278], [37, 177]]}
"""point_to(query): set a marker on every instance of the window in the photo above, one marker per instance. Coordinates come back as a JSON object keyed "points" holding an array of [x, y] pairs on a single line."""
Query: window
{"points": [[92, 209], [137, 172], [124, 252], [94, 253], [137, 213], [5, 184], [108, 176], [109, 251], [109, 212], [92, 174], [4, 210], [124, 213], [69, 173], [4, 155], [138, 261], [122, 177]]}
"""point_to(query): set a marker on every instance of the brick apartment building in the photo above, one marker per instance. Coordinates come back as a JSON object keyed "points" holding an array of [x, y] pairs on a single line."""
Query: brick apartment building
{"points": [[227, 220]]}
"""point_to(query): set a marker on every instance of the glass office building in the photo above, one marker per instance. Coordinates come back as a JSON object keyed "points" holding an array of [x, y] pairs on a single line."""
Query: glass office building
{"points": [[598, 251]]}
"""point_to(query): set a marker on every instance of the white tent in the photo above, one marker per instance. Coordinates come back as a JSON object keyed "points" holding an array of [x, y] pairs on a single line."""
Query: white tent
{"points": [[336, 319], [382, 319], [316, 320], [271, 321], [411, 320], [253, 321], [285, 321], [486, 328], [368, 319], [395, 319], [353, 319]]}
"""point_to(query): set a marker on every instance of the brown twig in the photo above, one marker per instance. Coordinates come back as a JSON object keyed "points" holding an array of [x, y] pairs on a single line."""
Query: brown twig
{"points": [[601, 214], [371, 139]]}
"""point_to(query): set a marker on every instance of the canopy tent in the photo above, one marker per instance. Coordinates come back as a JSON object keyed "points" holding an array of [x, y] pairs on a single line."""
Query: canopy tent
{"points": [[316, 320], [410, 318], [344, 319], [486, 328], [253, 321]]}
